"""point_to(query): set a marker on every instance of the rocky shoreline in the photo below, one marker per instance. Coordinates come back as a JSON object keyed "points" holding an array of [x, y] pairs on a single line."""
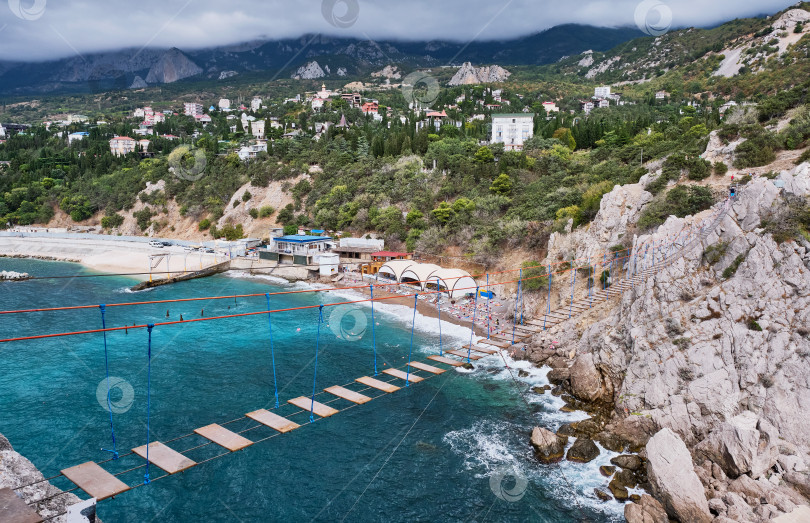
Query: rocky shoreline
{"points": [[700, 375], [16, 470]]}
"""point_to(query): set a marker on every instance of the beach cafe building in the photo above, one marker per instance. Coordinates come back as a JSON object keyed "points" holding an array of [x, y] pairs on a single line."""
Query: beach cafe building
{"points": [[456, 283], [297, 249]]}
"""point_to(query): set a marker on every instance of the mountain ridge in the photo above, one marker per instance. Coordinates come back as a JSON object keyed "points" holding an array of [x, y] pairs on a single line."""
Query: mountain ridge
{"points": [[117, 69]]}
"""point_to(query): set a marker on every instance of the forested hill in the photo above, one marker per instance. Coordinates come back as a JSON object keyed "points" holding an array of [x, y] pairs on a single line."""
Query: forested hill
{"points": [[434, 188]]}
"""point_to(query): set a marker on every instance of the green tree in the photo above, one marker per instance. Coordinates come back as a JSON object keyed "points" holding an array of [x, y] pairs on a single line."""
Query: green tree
{"points": [[501, 185]]}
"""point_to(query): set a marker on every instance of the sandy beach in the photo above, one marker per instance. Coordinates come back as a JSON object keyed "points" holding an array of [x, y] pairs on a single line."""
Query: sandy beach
{"points": [[109, 256]]}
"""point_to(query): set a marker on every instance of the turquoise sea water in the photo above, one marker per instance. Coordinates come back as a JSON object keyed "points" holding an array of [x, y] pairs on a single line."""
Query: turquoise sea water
{"points": [[452, 448]]}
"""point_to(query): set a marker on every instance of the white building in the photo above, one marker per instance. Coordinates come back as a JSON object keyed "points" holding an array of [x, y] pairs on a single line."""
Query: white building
{"points": [[603, 103], [192, 109], [551, 107], [73, 137], [256, 103], [257, 128], [601, 92], [250, 152], [2, 131], [512, 130], [224, 104], [587, 107], [121, 145], [317, 103]]}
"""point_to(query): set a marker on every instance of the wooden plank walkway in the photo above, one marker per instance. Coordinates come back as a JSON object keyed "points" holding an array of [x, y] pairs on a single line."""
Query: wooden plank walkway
{"points": [[377, 384], [308, 405], [446, 361], [346, 394], [463, 354], [427, 368], [223, 437], [165, 458], [94, 480], [274, 421], [482, 350], [410, 377]]}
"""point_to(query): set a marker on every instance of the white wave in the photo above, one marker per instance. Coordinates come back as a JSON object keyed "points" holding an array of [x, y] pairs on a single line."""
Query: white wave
{"points": [[488, 446], [265, 277]]}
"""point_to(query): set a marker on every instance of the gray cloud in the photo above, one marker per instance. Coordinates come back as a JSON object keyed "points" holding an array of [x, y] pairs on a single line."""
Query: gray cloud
{"points": [[43, 29]]}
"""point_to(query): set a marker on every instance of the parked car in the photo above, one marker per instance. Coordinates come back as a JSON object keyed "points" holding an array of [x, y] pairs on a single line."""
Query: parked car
{"points": [[167, 244], [155, 243]]}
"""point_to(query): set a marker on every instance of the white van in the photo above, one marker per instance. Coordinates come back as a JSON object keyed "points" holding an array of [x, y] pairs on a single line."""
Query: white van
{"points": [[155, 243]]}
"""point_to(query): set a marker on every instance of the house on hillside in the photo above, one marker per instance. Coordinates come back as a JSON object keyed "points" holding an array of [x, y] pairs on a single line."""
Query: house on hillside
{"points": [[601, 92], [224, 104], [121, 145], [74, 137], [551, 107], [370, 108], [192, 109], [255, 104], [512, 130]]}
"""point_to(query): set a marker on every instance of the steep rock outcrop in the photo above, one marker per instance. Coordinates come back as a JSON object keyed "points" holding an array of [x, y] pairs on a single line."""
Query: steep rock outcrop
{"points": [[171, 67], [469, 75], [673, 478], [309, 71]]}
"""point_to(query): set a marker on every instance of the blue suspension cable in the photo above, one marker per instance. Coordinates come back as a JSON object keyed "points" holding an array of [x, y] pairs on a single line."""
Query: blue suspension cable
{"points": [[573, 285], [149, 328], [315, 377], [548, 299], [439, 311], [272, 348], [489, 299], [374, 334], [413, 325], [517, 298], [472, 329], [114, 450]]}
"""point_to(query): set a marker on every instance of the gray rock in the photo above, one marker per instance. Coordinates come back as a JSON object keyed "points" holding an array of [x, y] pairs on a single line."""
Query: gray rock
{"points": [[548, 447], [673, 478], [800, 481], [733, 445], [648, 510], [586, 381], [628, 461], [583, 451]]}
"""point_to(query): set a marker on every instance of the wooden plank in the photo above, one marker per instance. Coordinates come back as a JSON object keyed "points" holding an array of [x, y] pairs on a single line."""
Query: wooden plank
{"points": [[501, 344], [446, 361], [463, 354], [274, 421], [164, 457], [224, 437], [411, 377], [482, 350], [377, 384], [94, 480], [14, 510], [346, 394], [427, 368], [308, 405]]}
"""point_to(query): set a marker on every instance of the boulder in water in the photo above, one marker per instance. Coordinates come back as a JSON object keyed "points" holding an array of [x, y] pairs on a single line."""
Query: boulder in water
{"points": [[583, 450], [548, 447]]}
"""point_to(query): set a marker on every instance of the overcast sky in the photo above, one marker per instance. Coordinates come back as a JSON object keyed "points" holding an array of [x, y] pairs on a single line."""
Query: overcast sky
{"points": [[43, 29]]}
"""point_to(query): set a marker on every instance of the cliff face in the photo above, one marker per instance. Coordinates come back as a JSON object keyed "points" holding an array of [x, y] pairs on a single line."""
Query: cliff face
{"points": [[469, 75], [714, 347], [171, 67], [16, 470]]}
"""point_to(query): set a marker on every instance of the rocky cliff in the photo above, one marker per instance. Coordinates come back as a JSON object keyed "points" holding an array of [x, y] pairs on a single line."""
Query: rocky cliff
{"points": [[469, 75], [16, 470], [171, 67], [714, 349]]}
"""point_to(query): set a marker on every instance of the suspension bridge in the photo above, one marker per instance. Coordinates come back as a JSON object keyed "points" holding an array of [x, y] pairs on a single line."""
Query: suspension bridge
{"points": [[617, 272]]}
